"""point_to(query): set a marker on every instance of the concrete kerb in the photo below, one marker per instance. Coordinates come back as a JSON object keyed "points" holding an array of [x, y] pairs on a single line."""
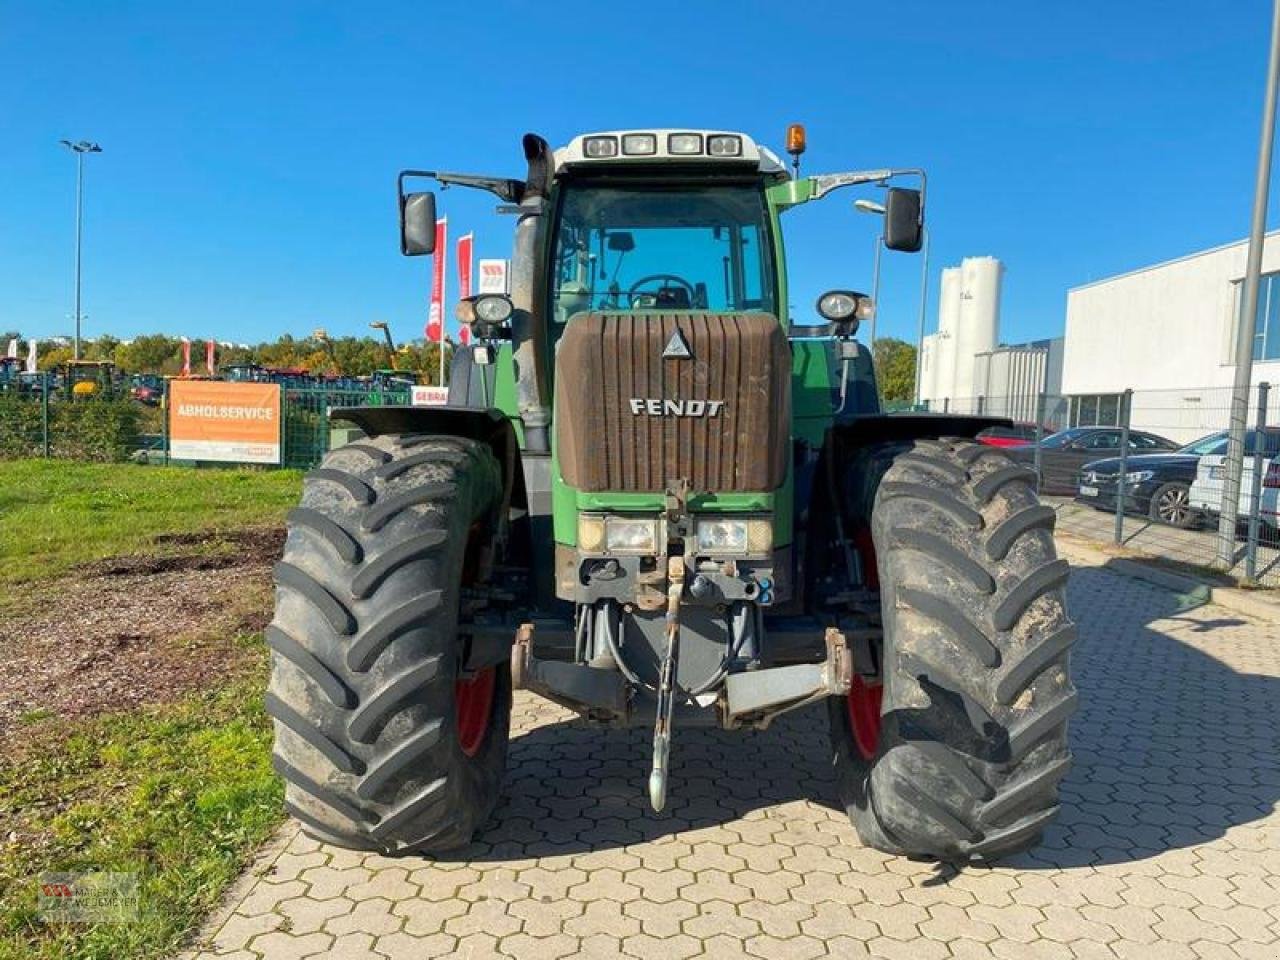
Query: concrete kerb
{"points": [[1192, 591]]}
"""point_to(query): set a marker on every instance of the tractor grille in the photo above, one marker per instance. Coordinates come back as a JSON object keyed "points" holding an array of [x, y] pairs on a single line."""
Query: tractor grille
{"points": [[607, 363]]}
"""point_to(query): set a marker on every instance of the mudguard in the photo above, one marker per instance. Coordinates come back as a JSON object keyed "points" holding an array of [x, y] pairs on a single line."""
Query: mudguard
{"points": [[490, 426]]}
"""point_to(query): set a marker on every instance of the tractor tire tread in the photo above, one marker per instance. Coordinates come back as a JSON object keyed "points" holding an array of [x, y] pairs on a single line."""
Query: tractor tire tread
{"points": [[365, 647], [977, 688]]}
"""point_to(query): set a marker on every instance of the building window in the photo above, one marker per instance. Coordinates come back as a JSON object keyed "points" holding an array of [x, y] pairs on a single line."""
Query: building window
{"points": [[1266, 328], [1096, 409]]}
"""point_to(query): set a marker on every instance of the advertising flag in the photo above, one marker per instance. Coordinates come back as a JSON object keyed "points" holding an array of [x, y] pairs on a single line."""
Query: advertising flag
{"points": [[186, 357], [31, 356], [435, 312], [13, 349], [208, 358], [466, 247]]}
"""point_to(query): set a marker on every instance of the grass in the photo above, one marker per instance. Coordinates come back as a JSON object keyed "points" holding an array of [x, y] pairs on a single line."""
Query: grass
{"points": [[181, 794], [60, 514]]}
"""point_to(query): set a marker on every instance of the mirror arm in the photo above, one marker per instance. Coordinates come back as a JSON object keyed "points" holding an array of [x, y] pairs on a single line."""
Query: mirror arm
{"points": [[824, 183], [504, 188]]}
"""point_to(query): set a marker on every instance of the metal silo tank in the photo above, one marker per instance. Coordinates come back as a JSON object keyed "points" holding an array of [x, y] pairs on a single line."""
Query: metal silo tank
{"points": [[978, 320], [944, 379]]}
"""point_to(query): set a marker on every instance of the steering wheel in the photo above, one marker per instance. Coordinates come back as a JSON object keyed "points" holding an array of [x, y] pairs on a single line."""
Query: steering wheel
{"points": [[667, 278]]}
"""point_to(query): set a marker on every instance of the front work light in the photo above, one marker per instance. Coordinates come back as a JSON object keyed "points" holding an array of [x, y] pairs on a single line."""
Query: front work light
{"points": [[493, 308], [639, 144], [840, 306], [684, 144], [600, 148], [724, 146]]}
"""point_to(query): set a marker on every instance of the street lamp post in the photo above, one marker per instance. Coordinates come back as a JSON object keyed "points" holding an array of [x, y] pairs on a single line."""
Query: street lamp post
{"points": [[924, 302], [870, 206], [1229, 511], [79, 148]]}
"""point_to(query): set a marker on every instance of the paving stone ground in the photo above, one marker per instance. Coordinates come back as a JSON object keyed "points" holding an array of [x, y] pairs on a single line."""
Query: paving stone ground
{"points": [[1168, 845]]}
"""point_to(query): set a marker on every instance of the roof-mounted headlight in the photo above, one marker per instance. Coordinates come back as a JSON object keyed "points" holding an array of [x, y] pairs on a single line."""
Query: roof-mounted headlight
{"points": [[724, 145], [684, 144], [639, 144], [600, 148]]}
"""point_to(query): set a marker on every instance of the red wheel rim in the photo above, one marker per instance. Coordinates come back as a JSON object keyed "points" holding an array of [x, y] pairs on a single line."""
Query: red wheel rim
{"points": [[474, 702], [864, 715]]}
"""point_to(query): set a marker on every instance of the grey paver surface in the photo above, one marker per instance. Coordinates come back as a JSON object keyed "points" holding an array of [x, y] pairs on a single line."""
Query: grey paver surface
{"points": [[1168, 845]]}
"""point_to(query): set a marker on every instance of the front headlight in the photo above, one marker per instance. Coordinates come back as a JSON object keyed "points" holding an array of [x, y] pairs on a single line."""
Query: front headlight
{"points": [[1139, 476], [723, 536], [620, 535], [631, 535]]}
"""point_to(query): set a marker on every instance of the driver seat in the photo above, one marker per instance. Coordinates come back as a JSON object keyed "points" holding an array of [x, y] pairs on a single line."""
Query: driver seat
{"points": [[672, 297]]}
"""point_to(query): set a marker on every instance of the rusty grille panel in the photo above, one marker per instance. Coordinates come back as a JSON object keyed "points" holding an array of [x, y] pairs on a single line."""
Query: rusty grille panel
{"points": [[606, 359]]}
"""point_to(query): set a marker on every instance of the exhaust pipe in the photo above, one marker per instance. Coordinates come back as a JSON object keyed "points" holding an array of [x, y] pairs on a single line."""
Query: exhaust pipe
{"points": [[528, 333]]}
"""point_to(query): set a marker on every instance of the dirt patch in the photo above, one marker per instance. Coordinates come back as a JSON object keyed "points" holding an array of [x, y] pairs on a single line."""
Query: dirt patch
{"points": [[138, 629]]}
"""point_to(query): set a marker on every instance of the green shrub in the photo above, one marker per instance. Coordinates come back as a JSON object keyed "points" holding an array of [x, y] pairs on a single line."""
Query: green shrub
{"points": [[95, 429]]}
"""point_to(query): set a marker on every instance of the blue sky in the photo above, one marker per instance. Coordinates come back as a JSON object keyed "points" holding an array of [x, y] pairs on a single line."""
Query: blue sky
{"points": [[247, 183]]}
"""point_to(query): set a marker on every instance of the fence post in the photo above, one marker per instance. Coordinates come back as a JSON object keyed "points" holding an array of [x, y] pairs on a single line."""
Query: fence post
{"points": [[1126, 403], [1040, 402], [1255, 485], [164, 421], [44, 413]]}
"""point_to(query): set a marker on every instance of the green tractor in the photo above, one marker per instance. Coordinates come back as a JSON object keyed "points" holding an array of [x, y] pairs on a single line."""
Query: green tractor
{"points": [[660, 500]]}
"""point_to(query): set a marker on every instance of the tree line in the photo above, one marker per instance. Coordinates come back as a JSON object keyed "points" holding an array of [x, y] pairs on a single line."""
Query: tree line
{"points": [[162, 354], [895, 359]]}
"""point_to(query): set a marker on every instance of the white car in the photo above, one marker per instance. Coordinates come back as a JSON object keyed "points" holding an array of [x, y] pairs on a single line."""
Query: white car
{"points": [[1206, 489]]}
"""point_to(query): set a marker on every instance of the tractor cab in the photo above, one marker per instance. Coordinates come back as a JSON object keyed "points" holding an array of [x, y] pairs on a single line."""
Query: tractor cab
{"points": [[10, 374], [86, 379], [246, 373]]}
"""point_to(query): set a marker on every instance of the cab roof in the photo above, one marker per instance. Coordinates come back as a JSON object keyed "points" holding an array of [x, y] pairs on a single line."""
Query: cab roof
{"points": [[669, 145]]}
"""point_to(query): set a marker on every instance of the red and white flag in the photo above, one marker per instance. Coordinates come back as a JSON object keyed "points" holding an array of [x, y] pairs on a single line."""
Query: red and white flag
{"points": [[186, 357], [435, 311], [208, 358], [466, 247]]}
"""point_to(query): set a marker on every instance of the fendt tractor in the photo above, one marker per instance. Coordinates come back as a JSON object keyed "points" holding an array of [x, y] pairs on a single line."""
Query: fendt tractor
{"points": [[658, 498]]}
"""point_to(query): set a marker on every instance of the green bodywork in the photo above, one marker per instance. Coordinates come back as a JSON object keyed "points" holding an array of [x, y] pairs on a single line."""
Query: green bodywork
{"points": [[811, 391]]}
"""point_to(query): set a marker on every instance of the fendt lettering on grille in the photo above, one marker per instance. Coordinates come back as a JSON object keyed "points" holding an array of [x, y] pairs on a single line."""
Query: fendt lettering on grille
{"points": [[676, 408]]}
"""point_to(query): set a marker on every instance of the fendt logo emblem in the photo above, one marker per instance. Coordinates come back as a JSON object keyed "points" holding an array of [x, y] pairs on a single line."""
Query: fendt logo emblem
{"points": [[676, 408], [676, 347]]}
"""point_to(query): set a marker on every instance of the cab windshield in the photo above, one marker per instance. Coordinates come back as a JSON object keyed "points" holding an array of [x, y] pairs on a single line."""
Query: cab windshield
{"points": [[661, 248]]}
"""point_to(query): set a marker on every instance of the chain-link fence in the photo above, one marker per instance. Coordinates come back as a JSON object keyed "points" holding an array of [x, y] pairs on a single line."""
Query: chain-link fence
{"points": [[43, 419], [1147, 469]]}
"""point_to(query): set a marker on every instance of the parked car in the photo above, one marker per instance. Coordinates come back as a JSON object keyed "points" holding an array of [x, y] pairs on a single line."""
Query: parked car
{"points": [[1206, 489], [1014, 436], [1157, 485], [1064, 454]]}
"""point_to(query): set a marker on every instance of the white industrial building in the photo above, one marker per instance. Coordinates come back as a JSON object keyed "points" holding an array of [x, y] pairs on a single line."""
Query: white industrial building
{"points": [[964, 368], [1167, 332]]}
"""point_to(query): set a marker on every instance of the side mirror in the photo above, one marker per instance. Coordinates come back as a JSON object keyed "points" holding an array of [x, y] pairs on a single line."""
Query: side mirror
{"points": [[417, 224], [903, 220]]}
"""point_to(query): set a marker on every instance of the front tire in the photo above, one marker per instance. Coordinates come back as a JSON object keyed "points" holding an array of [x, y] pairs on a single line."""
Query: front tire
{"points": [[382, 742], [971, 732]]}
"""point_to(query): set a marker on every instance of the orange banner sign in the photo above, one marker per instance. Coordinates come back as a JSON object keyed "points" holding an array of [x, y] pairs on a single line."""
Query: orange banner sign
{"points": [[233, 422]]}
